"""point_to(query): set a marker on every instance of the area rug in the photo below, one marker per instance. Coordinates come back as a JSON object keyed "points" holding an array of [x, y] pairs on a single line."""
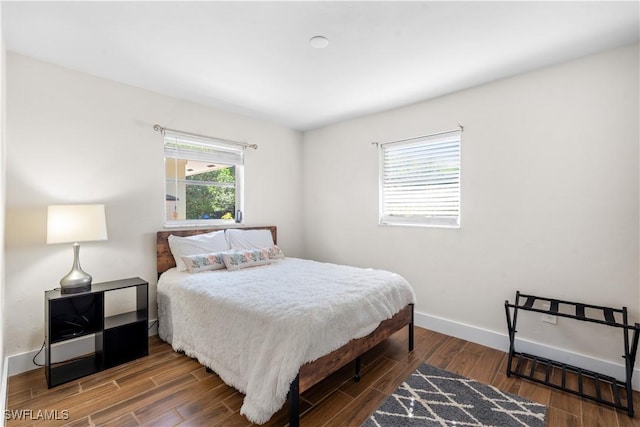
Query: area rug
{"points": [[433, 397]]}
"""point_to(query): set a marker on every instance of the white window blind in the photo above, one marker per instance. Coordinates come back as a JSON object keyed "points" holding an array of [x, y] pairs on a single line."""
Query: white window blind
{"points": [[201, 149], [420, 181]]}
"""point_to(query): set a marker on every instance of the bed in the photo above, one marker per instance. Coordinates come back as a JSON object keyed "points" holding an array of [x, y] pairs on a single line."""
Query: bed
{"points": [[277, 329]]}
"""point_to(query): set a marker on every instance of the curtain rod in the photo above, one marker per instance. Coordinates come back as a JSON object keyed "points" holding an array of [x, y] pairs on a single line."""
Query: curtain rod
{"points": [[460, 129], [162, 130]]}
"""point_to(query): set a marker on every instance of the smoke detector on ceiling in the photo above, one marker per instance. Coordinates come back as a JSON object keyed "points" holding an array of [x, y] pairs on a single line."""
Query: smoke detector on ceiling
{"points": [[319, 42]]}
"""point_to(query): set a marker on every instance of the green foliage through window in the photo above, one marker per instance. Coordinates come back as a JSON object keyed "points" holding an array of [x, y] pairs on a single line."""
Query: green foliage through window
{"points": [[211, 194]]}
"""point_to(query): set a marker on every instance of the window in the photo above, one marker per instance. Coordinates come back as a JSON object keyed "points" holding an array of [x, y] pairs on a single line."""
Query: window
{"points": [[203, 180], [420, 181]]}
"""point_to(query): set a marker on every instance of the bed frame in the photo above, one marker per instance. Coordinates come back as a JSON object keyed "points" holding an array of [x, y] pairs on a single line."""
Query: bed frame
{"points": [[313, 372]]}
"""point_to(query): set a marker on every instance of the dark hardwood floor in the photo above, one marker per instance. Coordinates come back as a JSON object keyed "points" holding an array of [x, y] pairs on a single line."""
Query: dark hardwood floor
{"points": [[167, 389]]}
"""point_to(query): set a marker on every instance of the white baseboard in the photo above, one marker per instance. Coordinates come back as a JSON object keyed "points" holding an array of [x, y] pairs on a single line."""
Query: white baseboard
{"points": [[500, 341], [23, 362], [153, 327], [3, 388]]}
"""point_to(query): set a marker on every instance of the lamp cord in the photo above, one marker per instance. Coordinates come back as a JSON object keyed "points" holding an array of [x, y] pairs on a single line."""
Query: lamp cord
{"points": [[40, 351]]}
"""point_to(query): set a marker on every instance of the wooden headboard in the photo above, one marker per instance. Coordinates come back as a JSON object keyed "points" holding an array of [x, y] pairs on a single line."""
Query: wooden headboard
{"points": [[165, 259]]}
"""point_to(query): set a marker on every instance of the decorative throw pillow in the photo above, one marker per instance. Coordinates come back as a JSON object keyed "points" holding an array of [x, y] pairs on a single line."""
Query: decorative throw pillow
{"points": [[204, 262], [243, 259], [272, 252], [196, 245]]}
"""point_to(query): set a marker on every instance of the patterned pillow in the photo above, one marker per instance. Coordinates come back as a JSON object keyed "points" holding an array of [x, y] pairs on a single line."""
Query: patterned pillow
{"points": [[243, 259], [204, 262], [272, 252]]}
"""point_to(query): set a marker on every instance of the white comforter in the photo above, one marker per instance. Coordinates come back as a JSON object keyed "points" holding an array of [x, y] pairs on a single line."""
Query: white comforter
{"points": [[255, 327]]}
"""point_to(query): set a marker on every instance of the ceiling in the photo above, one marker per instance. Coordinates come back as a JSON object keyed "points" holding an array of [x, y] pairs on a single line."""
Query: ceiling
{"points": [[254, 58]]}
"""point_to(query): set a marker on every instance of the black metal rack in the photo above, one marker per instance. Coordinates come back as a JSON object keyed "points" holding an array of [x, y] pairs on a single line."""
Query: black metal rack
{"points": [[539, 370]]}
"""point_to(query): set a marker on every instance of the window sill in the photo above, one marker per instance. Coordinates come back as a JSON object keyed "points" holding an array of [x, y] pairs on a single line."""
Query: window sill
{"points": [[414, 224], [200, 224]]}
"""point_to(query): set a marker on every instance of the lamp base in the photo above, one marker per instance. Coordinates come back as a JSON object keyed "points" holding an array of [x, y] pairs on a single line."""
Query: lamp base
{"points": [[76, 280], [74, 289]]}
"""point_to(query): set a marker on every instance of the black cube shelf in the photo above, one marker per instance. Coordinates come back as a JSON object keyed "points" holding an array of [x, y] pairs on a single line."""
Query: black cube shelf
{"points": [[117, 339]]}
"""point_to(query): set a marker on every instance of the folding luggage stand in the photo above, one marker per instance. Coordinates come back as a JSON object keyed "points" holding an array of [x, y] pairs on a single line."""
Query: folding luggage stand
{"points": [[528, 366]]}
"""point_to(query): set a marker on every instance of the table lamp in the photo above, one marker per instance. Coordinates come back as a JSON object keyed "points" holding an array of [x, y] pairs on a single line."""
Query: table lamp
{"points": [[75, 223]]}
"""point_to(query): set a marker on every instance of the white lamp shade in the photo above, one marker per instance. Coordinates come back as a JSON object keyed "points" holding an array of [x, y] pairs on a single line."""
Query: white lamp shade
{"points": [[76, 223]]}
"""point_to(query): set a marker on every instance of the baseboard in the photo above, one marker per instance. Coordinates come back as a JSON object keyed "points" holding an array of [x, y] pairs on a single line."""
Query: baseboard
{"points": [[500, 341], [23, 362], [153, 327], [3, 389]]}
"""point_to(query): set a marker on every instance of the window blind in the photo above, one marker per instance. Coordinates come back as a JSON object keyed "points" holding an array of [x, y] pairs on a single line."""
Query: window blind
{"points": [[187, 147], [420, 181]]}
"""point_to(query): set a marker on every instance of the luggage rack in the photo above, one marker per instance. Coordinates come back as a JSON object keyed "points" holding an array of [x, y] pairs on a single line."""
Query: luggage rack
{"points": [[528, 366]]}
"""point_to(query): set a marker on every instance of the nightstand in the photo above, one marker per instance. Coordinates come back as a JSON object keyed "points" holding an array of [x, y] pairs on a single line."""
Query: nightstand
{"points": [[116, 339]]}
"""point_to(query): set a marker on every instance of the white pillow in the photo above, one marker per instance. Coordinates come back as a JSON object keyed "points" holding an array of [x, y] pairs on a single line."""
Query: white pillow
{"points": [[196, 245], [249, 239]]}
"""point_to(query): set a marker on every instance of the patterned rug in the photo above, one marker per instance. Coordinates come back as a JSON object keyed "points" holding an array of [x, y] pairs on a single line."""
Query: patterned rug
{"points": [[433, 397]]}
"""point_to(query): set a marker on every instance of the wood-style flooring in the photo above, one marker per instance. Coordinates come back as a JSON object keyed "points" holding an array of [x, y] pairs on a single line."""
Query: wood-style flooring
{"points": [[168, 389]]}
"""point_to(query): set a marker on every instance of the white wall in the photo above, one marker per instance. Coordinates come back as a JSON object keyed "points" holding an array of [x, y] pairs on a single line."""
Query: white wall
{"points": [[549, 199], [75, 138]]}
